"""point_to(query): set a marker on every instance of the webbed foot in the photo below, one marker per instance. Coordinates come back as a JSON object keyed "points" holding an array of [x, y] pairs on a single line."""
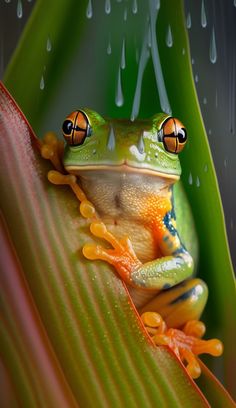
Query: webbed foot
{"points": [[121, 256], [186, 344]]}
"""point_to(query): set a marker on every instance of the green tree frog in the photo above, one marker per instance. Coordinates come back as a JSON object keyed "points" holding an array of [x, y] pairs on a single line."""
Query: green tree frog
{"points": [[130, 173]]}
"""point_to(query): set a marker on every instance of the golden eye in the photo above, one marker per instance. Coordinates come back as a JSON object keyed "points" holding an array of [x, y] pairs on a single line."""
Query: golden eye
{"points": [[76, 128], [174, 135]]}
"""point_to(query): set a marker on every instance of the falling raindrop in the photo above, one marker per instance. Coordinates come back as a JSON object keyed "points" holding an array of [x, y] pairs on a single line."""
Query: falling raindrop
{"points": [[234, 3], [196, 78], [109, 47], [149, 36], [188, 21], [205, 100], [7, 1], [42, 84], [213, 51], [144, 56], [107, 6], [135, 7], [122, 62], [190, 179], [169, 37], [225, 163], [183, 51], [203, 15], [49, 45], [89, 10], [119, 93], [216, 99], [197, 182], [19, 9], [231, 221], [158, 4], [125, 14], [193, 62], [209, 132]]}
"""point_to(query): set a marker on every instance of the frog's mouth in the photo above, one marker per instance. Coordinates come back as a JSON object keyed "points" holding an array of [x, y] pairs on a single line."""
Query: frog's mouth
{"points": [[121, 168]]}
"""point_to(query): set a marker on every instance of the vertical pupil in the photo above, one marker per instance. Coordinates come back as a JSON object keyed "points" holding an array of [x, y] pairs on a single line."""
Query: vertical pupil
{"points": [[67, 127]]}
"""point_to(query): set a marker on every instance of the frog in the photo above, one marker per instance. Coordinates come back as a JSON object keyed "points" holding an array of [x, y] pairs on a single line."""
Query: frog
{"points": [[129, 185]]}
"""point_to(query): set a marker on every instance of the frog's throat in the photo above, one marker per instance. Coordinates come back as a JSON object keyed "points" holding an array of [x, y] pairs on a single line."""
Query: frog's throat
{"points": [[77, 170]]}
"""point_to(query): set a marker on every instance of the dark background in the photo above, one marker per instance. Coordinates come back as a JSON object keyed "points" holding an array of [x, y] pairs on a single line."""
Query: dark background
{"points": [[215, 83]]}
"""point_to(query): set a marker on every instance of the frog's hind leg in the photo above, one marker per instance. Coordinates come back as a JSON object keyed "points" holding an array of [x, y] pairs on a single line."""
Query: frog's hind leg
{"points": [[180, 304]]}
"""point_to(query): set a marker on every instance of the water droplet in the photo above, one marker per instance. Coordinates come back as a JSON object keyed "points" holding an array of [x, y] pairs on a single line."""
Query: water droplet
{"points": [[183, 51], [196, 78], [42, 84], [111, 143], [234, 3], [125, 14], [107, 6], [19, 9], [188, 21], [122, 62], [109, 47], [209, 132], [135, 7], [149, 37], [216, 101], [198, 182], [213, 51], [169, 37], [225, 163], [141, 146], [193, 62], [190, 179], [231, 221], [205, 100], [49, 45], [89, 10], [206, 168], [203, 15], [119, 93]]}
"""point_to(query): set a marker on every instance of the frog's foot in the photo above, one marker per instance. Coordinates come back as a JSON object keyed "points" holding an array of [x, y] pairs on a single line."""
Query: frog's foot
{"points": [[52, 149], [86, 207], [121, 256], [186, 344]]}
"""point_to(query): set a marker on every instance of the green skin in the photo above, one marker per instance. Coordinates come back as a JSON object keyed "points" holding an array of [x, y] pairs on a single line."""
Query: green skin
{"points": [[119, 150]]}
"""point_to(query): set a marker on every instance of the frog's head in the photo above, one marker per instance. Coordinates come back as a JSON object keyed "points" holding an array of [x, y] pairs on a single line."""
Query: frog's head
{"points": [[144, 146]]}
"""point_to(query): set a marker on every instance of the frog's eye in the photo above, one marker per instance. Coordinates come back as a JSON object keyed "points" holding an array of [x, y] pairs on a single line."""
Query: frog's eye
{"points": [[173, 135], [76, 128]]}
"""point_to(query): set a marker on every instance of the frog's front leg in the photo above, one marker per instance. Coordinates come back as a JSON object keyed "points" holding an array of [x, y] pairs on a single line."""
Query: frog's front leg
{"points": [[160, 273]]}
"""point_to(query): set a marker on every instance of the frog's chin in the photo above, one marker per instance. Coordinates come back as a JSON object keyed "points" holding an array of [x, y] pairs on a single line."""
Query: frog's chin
{"points": [[123, 168]]}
